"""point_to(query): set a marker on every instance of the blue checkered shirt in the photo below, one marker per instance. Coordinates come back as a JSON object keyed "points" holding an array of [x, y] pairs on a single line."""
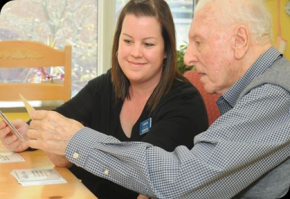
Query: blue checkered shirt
{"points": [[248, 140]]}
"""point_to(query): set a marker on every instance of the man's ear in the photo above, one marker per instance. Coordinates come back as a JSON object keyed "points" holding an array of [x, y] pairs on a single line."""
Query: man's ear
{"points": [[241, 41]]}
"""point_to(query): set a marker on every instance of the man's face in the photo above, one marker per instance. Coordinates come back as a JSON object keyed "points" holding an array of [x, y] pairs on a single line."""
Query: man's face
{"points": [[210, 50]]}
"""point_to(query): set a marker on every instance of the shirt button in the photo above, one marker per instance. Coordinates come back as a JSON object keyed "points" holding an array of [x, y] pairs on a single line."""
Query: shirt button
{"points": [[75, 155], [106, 172]]}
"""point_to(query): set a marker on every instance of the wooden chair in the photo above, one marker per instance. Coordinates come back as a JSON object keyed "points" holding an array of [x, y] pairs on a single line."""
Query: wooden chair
{"points": [[209, 99], [30, 54]]}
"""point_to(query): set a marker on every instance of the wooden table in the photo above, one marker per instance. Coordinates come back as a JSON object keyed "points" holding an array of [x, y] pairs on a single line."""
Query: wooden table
{"points": [[11, 189]]}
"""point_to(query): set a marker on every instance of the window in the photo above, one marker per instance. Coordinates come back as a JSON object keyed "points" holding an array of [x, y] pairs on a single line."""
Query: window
{"points": [[56, 23]]}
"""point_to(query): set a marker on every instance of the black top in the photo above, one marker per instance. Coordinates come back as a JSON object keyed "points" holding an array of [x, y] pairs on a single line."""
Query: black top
{"points": [[179, 116]]}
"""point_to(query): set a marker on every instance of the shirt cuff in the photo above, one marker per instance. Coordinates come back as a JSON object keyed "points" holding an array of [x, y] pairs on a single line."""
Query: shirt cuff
{"points": [[82, 144]]}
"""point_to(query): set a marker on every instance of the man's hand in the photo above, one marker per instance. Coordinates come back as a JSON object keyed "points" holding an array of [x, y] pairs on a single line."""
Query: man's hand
{"points": [[10, 140], [142, 197], [59, 160], [51, 132]]}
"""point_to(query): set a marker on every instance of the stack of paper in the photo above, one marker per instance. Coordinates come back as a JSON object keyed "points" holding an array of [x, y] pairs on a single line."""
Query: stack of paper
{"points": [[28, 177]]}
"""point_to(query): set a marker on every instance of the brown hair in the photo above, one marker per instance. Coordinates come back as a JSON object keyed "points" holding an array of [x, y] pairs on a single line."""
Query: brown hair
{"points": [[160, 10]]}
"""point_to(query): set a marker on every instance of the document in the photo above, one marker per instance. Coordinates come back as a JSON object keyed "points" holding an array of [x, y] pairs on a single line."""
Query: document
{"points": [[9, 157], [29, 177]]}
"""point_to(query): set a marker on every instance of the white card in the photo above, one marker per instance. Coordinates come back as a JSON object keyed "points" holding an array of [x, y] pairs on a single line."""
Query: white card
{"points": [[28, 177], [28, 107], [10, 157]]}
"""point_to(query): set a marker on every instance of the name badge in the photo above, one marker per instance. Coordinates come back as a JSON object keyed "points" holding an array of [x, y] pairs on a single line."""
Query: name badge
{"points": [[145, 126]]}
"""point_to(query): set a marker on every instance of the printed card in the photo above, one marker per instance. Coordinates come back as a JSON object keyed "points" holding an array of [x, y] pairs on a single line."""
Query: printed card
{"points": [[10, 157], [28, 177]]}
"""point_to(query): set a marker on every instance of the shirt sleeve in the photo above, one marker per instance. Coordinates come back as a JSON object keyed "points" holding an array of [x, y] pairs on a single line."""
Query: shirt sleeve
{"points": [[242, 145]]}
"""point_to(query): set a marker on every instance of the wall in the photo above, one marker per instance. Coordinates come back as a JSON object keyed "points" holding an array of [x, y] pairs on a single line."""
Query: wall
{"points": [[285, 22]]}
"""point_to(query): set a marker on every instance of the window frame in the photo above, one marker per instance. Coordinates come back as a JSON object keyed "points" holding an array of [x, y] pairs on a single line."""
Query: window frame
{"points": [[106, 30]]}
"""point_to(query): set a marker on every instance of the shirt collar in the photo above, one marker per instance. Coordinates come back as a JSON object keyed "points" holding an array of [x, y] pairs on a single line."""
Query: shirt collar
{"points": [[261, 64]]}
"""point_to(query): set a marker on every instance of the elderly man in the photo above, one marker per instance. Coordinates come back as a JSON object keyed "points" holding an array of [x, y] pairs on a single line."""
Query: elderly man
{"points": [[244, 154]]}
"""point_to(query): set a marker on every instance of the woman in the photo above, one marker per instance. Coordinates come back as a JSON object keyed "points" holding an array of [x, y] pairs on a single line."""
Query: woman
{"points": [[142, 97]]}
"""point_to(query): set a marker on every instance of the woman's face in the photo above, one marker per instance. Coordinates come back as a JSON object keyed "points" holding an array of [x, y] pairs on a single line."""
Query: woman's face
{"points": [[141, 50]]}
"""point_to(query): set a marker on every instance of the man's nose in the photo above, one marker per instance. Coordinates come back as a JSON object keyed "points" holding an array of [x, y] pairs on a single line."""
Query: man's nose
{"points": [[190, 57]]}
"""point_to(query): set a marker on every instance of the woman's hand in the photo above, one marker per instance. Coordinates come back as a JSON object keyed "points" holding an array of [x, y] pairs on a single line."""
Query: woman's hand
{"points": [[10, 140], [51, 132]]}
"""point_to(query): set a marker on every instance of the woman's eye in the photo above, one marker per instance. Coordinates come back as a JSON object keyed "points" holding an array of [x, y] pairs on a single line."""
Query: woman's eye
{"points": [[127, 41], [149, 44]]}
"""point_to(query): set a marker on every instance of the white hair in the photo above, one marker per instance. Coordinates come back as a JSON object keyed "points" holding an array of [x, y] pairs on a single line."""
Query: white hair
{"points": [[252, 13]]}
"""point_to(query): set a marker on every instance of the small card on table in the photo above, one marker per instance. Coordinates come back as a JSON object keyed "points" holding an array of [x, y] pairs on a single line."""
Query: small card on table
{"points": [[10, 157], [29, 177]]}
